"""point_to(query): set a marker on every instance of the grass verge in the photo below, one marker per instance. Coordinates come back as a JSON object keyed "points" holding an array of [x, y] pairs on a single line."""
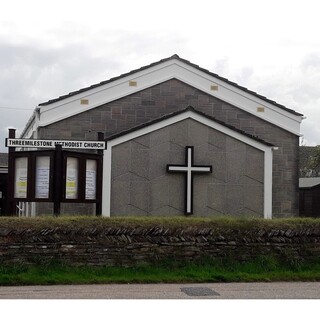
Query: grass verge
{"points": [[84, 222], [262, 269]]}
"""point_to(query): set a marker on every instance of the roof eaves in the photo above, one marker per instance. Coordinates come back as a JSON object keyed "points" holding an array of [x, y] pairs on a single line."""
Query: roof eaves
{"points": [[107, 81], [32, 117], [240, 87], [175, 56]]}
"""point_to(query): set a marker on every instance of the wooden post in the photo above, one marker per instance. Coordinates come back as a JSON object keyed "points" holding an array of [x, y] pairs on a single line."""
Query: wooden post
{"points": [[11, 205], [99, 178], [57, 180]]}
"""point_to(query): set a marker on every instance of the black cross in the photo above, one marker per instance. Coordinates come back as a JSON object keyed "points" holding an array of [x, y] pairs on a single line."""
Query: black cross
{"points": [[189, 169]]}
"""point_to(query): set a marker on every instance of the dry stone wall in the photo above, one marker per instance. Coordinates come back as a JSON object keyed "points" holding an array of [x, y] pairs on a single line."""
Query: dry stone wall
{"points": [[128, 246]]}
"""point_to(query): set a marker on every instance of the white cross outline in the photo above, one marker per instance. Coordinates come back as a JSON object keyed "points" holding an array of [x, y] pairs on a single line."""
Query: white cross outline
{"points": [[189, 169]]}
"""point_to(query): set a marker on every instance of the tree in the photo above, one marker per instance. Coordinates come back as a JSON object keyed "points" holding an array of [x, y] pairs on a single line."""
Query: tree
{"points": [[309, 161]]}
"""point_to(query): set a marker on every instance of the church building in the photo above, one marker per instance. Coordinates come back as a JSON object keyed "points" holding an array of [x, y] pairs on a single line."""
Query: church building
{"points": [[180, 140]]}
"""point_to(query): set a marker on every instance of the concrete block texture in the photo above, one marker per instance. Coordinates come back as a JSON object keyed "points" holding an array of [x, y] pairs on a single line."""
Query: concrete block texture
{"points": [[174, 95], [146, 185]]}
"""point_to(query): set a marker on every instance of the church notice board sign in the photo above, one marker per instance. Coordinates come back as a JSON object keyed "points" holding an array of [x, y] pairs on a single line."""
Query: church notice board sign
{"points": [[34, 176], [54, 175], [82, 177]]}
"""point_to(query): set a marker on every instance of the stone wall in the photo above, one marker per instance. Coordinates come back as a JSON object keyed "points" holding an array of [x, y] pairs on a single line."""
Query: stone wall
{"points": [[171, 96], [127, 246]]}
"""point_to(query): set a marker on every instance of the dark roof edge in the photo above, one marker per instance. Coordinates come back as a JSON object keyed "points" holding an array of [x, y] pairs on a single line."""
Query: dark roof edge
{"points": [[108, 81], [29, 122], [175, 56], [241, 87], [189, 108]]}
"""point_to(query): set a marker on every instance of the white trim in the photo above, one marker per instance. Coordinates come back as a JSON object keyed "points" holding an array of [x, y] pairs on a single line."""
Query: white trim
{"points": [[267, 210], [106, 187], [154, 75], [106, 190], [182, 116]]}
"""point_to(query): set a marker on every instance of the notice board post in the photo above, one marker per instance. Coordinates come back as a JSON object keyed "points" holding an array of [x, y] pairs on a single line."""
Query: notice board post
{"points": [[99, 180], [11, 205], [57, 180]]}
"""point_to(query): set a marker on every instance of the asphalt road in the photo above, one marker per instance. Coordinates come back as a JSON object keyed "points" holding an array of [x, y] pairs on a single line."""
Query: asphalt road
{"points": [[275, 290]]}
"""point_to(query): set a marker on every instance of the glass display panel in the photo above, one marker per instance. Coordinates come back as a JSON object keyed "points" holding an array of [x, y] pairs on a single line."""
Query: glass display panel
{"points": [[42, 177], [72, 178], [91, 179], [21, 177]]}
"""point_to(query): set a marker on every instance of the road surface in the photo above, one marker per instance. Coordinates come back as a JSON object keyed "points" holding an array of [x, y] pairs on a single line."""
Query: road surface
{"points": [[274, 290]]}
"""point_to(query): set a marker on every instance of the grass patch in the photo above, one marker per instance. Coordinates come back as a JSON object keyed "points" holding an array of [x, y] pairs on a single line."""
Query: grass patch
{"points": [[217, 270], [86, 222], [264, 268]]}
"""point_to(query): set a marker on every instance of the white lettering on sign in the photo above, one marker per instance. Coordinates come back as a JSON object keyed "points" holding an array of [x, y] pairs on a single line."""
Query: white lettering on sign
{"points": [[31, 143]]}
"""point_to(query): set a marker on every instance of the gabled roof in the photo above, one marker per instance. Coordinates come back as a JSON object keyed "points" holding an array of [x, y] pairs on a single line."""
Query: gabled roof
{"points": [[157, 73], [194, 111], [176, 57]]}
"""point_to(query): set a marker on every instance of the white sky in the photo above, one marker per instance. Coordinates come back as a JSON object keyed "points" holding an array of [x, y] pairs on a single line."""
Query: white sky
{"points": [[49, 48]]}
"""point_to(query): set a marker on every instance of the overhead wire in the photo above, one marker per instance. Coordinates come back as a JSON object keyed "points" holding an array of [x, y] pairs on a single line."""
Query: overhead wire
{"points": [[16, 108]]}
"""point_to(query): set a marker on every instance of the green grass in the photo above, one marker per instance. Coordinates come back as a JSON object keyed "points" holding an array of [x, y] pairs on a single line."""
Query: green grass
{"points": [[85, 222], [261, 269]]}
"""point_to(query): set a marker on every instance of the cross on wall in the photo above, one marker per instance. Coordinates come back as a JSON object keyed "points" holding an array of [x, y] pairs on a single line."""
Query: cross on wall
{"points": [[189, 169]]}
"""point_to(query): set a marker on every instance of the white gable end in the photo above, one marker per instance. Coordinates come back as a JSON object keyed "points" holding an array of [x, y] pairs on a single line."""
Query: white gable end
{"points": [[267, 150], [159, 73]]}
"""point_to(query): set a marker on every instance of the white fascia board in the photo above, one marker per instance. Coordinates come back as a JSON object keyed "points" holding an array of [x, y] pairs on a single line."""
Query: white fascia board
{"points": [[241, 99], [114, 90], [149, 77], [31, 129], [183, 116], [30, 126], [106, 188]]}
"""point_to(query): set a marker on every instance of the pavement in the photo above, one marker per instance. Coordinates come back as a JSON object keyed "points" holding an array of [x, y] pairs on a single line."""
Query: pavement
{"points": [[274, 290]]}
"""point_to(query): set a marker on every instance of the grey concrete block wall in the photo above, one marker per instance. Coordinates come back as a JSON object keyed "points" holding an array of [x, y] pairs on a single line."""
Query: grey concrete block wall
{"points": [[142, 185], [174, 95]]}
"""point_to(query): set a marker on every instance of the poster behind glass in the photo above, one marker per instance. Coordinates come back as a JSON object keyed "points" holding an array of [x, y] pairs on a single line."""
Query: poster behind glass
{"points": [[21, 177], [72, 180], [42, 177], [91, 179]]}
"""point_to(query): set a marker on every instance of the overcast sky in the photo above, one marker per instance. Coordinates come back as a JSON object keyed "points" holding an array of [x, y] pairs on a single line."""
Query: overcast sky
{"points": [[49, 48]]}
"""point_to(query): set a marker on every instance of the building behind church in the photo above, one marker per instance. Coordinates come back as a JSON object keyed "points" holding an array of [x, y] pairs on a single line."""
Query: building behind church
{"points": [[150, 115]]}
